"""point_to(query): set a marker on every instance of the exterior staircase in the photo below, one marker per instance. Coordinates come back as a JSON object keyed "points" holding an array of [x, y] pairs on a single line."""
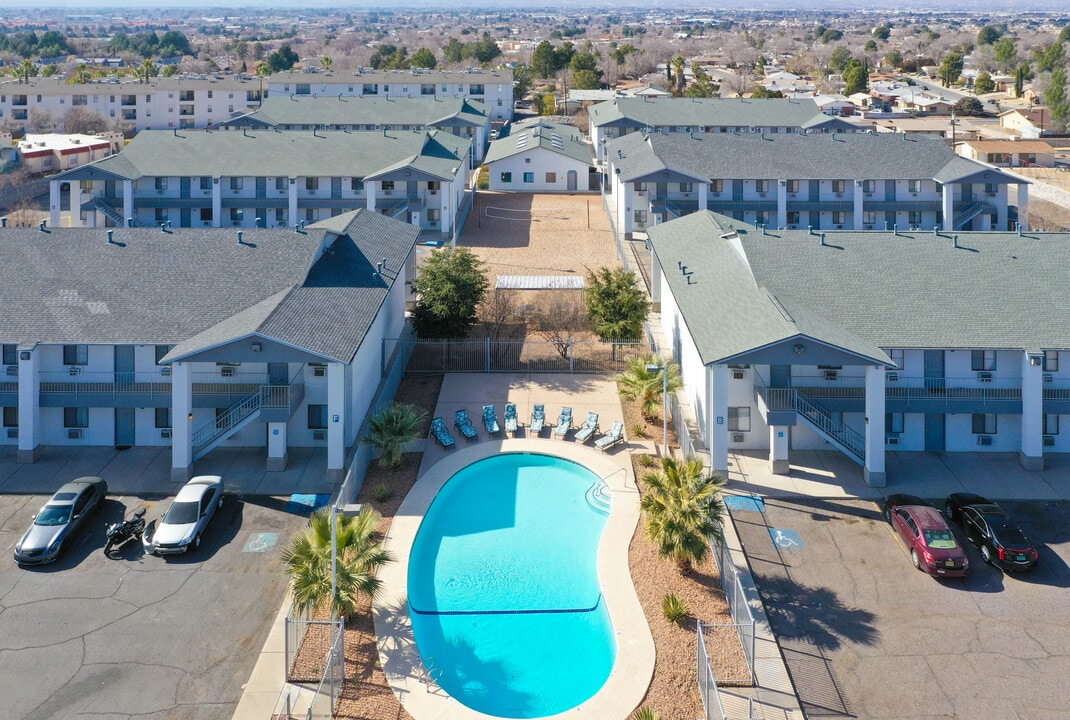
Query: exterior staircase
{"points": [[109, 211], [850, 442], [242, 413], [970, 212]]}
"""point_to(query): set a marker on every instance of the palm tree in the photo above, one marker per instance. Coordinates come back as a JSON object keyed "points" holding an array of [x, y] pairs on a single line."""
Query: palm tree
{"points": [[146, 71], [682, 506], [81, 75], [646, 386], [325, 62], [678, 63], [26, 71], [390, 429], [359, 555]]}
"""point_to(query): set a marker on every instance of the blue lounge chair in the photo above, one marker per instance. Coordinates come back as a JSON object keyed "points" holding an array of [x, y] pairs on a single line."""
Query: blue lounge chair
{"points": [[441, 434], [510, 418], [589, 428], [564, 423], [614, 436], [464, 425], [538, 419], [490, 420]]}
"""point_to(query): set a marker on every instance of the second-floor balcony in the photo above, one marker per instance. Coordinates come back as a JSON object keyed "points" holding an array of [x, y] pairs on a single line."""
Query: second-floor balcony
{"points": [[214, 388]]}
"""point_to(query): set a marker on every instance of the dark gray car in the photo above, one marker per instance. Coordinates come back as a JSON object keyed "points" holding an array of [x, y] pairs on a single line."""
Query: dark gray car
{"points": [[64, 514]]}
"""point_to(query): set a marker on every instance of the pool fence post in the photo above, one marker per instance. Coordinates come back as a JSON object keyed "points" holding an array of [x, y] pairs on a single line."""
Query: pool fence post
{"points": [[487, 345], [571, 355]]}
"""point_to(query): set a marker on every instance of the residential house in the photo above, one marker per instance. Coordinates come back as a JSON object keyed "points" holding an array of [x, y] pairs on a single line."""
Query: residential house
{"points": [[51, 152], [866, 342], [1031, 122], [197, 338], [1009, 153], [540, 156]]}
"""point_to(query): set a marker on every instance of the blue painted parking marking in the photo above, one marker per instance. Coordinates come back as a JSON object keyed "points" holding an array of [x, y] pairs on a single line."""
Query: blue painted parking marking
{"points": [[744, 503], [785, 539], [261, 542], [307, 503]]}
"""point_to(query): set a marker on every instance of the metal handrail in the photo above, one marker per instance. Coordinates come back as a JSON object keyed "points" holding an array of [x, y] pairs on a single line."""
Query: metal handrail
{"points": [[851, 439], [222, 424]]}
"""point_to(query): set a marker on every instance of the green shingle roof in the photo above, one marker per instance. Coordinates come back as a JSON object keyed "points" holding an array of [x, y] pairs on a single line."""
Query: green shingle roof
{"points": [[712, 112], [364, 110], [528, 135]]}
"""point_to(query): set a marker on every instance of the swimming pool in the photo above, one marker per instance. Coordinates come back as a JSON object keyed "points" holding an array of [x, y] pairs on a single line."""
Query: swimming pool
{"points": [[504, 595]]}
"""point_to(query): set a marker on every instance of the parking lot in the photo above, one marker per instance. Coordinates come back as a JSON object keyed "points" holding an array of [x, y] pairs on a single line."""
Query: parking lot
{"points": [[866, 635], [136, 635]]}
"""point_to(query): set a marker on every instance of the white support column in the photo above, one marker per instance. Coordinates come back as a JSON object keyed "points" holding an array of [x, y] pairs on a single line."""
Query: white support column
{"points": [[217, 202], [181, 420], [1031, 456], [278, 450], [781, 204], [29, 407], [336, 420], [703, 195], [1001, 207], [949, 206], [128, 201], [76, 204], [291, 201], [719, 413], [369, 190], [449, 205], [857, 211], [53, 203], [1023, 206], [778, 449], [873, 473]]}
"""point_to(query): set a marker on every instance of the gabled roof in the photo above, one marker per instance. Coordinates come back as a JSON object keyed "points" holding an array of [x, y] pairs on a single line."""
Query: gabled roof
{"points": [[794, 156], [537, 133], [302, 110], [70, 285], [862, 291], [708, 112], [267, 153]]}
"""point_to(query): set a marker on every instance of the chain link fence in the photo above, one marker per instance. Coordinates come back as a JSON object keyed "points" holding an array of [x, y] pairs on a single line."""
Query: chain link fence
{"points": [[743, 618], [527, 356]]}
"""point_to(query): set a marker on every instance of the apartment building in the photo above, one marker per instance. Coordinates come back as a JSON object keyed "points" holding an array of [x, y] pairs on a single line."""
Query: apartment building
{"points": [[835, 181], [199, 338], [625, 116], [492, 87], [54, 152], [268, 178], [867, 342], [536, 155]]}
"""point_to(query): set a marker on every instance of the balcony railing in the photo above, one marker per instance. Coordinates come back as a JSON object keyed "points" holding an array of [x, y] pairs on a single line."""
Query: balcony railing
{"points": [[105, 383], [897, 385]]}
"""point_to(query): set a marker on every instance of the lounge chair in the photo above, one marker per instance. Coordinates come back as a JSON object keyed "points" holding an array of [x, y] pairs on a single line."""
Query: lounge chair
{"points": [[589, 428], [464, 425], [510, 418], [538, 419], [614, 436], [490, 420], [564, 423], [441, 434]]}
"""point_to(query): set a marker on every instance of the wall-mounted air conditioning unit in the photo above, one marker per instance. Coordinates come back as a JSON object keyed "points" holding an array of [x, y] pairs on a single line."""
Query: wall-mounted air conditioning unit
{"points": [[891, 376], [226, 371], [984, 440], [737, 375], [319, 371], [1049, 441], [892, 439], [165, 370], [74, 370], [1047, 377], [12, 433], [12, 370], [165, 434], [761, 195], [738, 437], [319, 434], [831, 374], [984, 377], [74, 434]]}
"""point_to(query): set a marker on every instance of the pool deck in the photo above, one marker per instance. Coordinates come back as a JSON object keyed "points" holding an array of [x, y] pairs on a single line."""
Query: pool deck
{"points": [[634, 665]]}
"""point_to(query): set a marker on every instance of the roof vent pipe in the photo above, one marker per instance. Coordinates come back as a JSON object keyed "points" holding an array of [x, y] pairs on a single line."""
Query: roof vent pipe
{"points": [[111, 237], [176, 132], [1019, 226], [42, 226], [241, 241], [895, 229], [809, 229], [822, 239], [297, 228], [3, 222], [130, 222], [383, 263], [955, 239]]}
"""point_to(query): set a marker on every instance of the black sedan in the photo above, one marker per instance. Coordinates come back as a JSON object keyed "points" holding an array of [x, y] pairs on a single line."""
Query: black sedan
{"points": [[62, 515], [1001, 542]]}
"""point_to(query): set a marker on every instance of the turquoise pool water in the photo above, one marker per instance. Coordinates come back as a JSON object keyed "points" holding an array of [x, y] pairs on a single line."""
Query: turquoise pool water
{"points": [[503, 587]]}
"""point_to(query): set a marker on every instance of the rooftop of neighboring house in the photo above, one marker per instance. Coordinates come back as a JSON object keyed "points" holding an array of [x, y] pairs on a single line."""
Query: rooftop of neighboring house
{"points": [[313, 289], [284, 110], [274, 153], [862, 291], [707, 112], [527, 135], [795, 156], [414, 75], [1011, 146], [48, 143]]}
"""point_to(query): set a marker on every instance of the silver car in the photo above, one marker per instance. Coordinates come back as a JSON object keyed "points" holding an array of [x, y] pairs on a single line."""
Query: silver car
{"points": [[61, 516], [185, 521]]}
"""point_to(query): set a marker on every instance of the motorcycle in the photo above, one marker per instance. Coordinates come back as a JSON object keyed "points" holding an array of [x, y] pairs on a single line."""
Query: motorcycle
{"points": [[118, 533]]}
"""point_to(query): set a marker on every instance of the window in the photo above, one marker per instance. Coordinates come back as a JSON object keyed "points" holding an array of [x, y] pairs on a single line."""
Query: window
{"points": [[898, 357], [235, 215], [639, 186], [529, 177], [869, 218], [206, 215], [160, 215], [839, 217], [433, 185], [838, 186], [161, 184], [1051, 360], [793, 217], [761, 186], [551, 178], [388, 185], [236, 183], [206, 183], [163, 417], [1051, 423], [982, 360], [310, 215], [717, 186], [793, 186], [984, 424], [281, 216], [640, 217], [433, 214], [869, 186], [313, 183], [209, 94], [161, 350], [739, 419], [914, 217], [893, 423], [76, 417], [317, 417], [914, 186], [11, 417], [280, 183], [990, 188], [75, 354], [761, 218], [11, 355], [685, 187]]}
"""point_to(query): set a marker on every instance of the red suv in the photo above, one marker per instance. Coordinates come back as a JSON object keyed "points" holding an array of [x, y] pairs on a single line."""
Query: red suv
{"points": [[932, 545]]}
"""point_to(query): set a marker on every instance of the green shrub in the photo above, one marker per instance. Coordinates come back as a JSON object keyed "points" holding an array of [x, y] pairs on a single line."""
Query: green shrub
{"points": [[674, 609], [638, 430], [382, 492], [646, 460], [645, 713]]}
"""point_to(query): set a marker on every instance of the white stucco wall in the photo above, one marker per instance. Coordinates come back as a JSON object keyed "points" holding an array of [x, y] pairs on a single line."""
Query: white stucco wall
{"points": [[538, 162]]}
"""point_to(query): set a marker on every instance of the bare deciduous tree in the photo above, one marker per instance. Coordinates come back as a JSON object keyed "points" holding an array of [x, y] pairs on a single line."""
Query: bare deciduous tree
{"points": [[85, 121], [559, 321]]}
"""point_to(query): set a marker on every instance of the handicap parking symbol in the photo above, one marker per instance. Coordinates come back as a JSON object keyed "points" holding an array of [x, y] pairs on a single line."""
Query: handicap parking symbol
{"points": [[785, 539]]}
